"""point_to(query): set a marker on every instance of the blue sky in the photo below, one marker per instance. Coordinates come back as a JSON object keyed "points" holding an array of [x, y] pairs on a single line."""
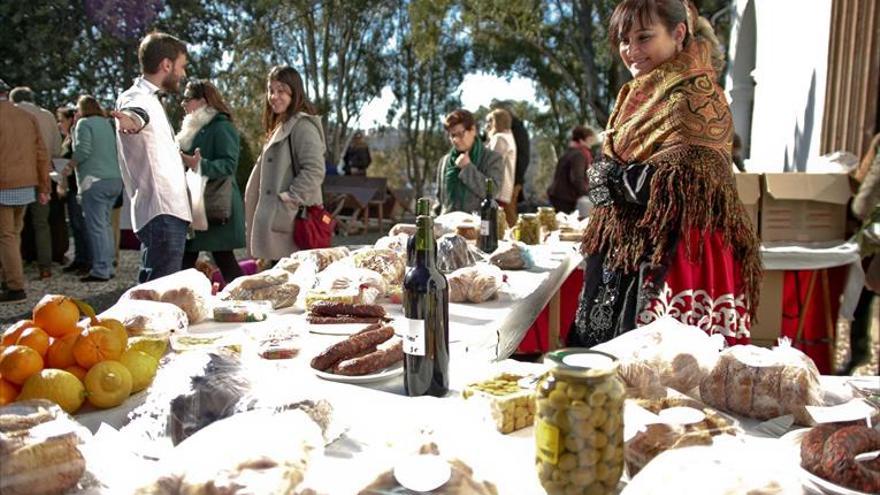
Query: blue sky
{"points": [[476, 89]]}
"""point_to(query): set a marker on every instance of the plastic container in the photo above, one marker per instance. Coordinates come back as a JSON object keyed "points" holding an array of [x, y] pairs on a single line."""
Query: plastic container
{"points": [[579, 423], [503, 401], [242, 311]]}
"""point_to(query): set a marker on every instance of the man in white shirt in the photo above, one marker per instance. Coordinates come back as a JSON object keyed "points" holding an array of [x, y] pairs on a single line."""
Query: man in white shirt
{"points": [[152, 170], [23, 97]]}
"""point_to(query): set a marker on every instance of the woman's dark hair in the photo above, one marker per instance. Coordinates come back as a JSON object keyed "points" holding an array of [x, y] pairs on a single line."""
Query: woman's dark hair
{"points": [[630, 13], [199, 88], [89, 107], [65, 112], [298, 100]]}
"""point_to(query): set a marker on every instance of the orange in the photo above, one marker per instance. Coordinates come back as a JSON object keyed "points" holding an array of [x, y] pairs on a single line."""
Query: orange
{"points": [[36, 339], [10, 336], [8, 392], [97, 344], [18, 363], [77, 372], [60, 353], [57, 315]]}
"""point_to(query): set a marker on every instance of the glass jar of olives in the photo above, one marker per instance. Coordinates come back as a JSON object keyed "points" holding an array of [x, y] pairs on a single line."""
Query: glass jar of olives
{"points": [[579, 423], [547, 218], [527, 229]]}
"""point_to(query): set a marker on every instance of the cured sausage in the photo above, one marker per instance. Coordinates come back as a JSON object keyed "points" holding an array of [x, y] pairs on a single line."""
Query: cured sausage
{"points": [[813, 445], [371, 362], [351, 347], [341, 319], [839, 465]]}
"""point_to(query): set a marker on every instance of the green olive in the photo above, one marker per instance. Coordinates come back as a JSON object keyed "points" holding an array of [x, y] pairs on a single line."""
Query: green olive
{"points": [[557, 475], [611, 424], [576, 391], [553, 487], [558, 398], [596, 488], [588, 457], [573, 490], [599, 416], [567, 462], [579, 410], [573, 443], [597, 399], [583, 429], [561, 385], [562, 422], [545, 408], [600, 440], [614, 475], [602, 472], [582, 477], [608, 454]]}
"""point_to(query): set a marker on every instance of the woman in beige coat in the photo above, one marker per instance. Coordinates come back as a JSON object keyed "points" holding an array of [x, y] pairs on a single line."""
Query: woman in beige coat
{"points": [[290, 170]]}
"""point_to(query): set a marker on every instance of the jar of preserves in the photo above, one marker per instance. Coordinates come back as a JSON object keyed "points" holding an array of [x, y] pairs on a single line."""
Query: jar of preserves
{"points": [[527, 229], [579, 423], [547, 218]]}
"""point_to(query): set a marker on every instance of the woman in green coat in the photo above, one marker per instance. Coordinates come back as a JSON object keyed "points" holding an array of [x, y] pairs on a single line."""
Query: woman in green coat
{"points": [[209, 144]]}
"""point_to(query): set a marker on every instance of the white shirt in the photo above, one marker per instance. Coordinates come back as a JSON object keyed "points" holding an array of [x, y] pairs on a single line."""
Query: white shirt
{"points": [[503, 144], [152, 170]]}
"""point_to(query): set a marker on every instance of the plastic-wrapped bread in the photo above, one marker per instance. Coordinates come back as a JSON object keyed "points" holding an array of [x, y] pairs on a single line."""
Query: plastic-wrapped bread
{"points": [[486, 283], [322, 258], [396, 243], [762, 383], [453, 253], [460, 282], [385, 262], [511, 256], [189, 290]]}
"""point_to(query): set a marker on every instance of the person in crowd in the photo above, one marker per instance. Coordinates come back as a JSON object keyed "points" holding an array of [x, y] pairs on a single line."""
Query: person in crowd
{"points": [[669, 235], [99, 183], [209, 145], [152, 169], [866, 208], [357, 157], [23, 97], [523, 156], [462, 173], [501, 141], [24, 179], [68, 192], [290, 169], [738, 153], [570, 178]]}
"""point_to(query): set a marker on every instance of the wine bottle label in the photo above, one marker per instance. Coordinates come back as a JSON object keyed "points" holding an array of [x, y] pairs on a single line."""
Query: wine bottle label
{"points": [[413, 337], [484, 227]]}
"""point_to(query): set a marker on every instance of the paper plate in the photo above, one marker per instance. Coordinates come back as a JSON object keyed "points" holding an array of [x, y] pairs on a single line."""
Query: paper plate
{"points": [[387, 373]]}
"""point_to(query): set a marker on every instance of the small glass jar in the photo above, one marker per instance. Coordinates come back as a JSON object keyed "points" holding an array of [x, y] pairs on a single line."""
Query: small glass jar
{"points": [[528, 229], [579, 423], [547, 218]]}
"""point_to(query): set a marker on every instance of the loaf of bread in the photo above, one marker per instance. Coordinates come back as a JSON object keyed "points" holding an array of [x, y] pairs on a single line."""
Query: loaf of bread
{"points": [[761, 383]]}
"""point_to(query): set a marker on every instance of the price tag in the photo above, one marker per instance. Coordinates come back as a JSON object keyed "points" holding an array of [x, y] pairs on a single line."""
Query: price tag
{"points": [[413, 337], [484, 227]]}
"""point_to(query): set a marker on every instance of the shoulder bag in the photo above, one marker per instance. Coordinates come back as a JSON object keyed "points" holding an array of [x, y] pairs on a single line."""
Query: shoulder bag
{"points": [[313, 226]]}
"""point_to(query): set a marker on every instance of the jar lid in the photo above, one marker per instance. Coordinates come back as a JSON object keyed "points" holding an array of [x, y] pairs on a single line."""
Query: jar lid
{"points": [[546, 209], [581, 362], [529, 216]]}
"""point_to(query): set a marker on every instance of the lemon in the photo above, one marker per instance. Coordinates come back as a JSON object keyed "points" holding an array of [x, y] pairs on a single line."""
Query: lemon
{"points": [[108, 384], [142, 367], [117, 328], [153, 346], [58, 386]]}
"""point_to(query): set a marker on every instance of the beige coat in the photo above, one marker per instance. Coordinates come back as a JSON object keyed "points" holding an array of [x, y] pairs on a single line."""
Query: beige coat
{"points": [[268, 220], [23, 158]]}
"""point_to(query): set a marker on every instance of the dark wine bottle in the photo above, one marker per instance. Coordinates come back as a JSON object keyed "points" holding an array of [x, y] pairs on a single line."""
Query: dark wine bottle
{"points": [[423, 207], [426, 319], [489, 220]]}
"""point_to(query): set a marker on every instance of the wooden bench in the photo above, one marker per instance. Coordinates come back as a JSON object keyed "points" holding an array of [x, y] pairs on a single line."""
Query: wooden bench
{"points": [[359, 195]]}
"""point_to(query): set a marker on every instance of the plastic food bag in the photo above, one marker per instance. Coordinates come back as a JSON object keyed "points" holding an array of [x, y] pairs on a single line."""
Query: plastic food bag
{"points": [[321, 257], [453, 253], [448, 222], [730, 465], [385, 262], [476, 284], [269, 454], [339, 277], [396, 243], [512, 256], [763, 383], [189, 290], [670, 423], [276, 286], [148, 317], [403, 228], [664, 353], [39, 449], [242, 311]]}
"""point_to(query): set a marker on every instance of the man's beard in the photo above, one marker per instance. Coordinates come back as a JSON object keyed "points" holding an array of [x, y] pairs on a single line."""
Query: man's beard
{"points": [[171, 83]]}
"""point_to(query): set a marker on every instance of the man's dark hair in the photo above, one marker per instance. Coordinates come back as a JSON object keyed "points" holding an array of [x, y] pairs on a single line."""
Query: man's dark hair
{"points": [[580, 133], [155, 48], [22, 93]]}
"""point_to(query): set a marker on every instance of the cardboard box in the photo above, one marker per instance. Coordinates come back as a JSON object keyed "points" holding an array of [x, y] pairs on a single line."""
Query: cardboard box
{"points": [[801, 207], [769, 315], [749, 188]]}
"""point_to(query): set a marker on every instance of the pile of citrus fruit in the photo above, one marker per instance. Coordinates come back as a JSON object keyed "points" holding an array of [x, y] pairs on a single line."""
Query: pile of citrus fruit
{"points": [[50, 357]]}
